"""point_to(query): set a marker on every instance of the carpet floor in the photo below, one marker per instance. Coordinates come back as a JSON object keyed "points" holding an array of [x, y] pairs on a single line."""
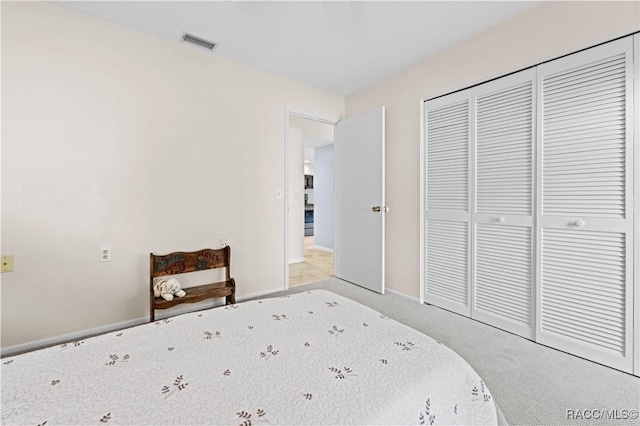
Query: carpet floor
{"points": [[532, 384]]}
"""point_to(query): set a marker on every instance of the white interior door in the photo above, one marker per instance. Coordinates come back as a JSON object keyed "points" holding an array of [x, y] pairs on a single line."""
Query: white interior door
{"points": [[503, 231], [360, 200], [585, 173], [447, 216]]}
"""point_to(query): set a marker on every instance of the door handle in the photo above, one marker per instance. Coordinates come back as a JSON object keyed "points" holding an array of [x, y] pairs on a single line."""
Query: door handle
{"points": [[579, 223], [378, 209], [500, 219]]}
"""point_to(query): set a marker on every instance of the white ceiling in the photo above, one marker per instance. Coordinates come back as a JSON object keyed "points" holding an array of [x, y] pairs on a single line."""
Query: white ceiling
{"points": [[334, 45]]}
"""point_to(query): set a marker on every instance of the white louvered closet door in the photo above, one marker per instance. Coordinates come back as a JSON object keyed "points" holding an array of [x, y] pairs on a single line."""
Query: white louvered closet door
{"points": [[447, 134], [585, 172], [503, 231]]}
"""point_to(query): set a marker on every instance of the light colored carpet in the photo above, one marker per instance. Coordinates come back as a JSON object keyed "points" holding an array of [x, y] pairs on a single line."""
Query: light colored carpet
{"points": [[532, 384]]}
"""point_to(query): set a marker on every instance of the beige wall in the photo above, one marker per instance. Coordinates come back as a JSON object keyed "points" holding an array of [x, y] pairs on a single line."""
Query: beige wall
{"points": [[546, 31], [111, 137]]}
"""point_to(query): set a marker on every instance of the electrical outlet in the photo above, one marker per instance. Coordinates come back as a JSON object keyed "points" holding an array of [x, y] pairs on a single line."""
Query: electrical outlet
{"points": [[105, 254], [224, 242], [7, 263]]}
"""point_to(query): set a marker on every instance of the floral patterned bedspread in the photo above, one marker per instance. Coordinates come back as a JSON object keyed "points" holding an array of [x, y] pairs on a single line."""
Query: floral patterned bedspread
{"points": [[309, 358]]}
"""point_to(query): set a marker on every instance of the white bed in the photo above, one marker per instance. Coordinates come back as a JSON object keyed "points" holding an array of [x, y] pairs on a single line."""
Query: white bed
{"points": [[309, 358]]}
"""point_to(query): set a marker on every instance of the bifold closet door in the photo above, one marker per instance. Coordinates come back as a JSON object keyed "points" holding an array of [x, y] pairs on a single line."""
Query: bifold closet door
{"points": [[503, 226], [447, 134], [585, 222]]}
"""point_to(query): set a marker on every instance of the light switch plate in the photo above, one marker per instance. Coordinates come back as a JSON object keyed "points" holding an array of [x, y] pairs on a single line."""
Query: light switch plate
{"points": [[7, 263]]}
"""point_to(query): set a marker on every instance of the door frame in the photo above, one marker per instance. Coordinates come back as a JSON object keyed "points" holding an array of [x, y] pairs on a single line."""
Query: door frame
{"points": [[636, 200], [288, 112], [423, 201]]}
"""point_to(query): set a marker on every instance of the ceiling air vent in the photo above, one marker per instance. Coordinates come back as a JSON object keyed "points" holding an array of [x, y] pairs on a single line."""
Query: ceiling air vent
{"points": [[200, 42]]}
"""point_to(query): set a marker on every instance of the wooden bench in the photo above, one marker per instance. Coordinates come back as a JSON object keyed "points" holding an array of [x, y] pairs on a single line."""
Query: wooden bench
{"points": [[184, 262]]}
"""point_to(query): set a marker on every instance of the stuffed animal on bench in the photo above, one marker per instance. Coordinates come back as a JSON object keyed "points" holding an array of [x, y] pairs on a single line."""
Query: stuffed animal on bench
{"points": [[167, 288]]}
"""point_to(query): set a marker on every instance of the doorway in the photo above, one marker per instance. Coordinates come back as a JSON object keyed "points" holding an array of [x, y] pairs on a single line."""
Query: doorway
{"points": [[310, 197], [358, 196]]}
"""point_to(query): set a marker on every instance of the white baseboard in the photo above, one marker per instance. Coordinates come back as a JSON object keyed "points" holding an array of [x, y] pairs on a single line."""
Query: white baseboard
{"points": [[259, 294], [296, 260], [330, 250], [406, 296], [160, 314], [76, 335]]}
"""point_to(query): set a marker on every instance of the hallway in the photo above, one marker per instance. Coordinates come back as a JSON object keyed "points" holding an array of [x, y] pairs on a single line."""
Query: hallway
{"points": [[317, 265]]}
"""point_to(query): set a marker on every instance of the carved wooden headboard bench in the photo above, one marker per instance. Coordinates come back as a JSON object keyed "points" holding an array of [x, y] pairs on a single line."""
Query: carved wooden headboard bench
{"points": [[182, 262]]}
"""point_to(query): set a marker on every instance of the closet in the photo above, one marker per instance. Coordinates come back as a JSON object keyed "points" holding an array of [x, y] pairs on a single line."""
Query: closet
{"points": [[529, 203]]}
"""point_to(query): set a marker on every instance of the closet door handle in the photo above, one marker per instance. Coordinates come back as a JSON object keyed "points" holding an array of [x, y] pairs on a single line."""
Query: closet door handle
{"points": [[579, 223], [500, 219]]}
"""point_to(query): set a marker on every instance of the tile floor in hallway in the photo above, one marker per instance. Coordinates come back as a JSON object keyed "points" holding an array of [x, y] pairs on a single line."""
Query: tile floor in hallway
{"points": [[317, 265]]}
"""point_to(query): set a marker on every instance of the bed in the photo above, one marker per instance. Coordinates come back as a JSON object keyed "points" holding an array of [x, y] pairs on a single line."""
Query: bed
{"points": [[307, 358]]}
